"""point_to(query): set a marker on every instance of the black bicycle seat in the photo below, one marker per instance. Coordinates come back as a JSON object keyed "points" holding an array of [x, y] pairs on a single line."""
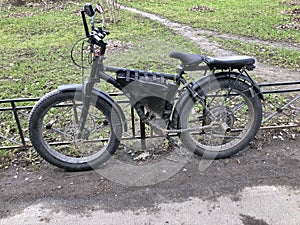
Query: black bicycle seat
{"points": [[230, 62], [187, 59]]}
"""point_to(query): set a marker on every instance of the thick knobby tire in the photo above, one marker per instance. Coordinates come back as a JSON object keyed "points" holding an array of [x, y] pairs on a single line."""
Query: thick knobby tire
{"points": [[43, 131], [211, 144]]}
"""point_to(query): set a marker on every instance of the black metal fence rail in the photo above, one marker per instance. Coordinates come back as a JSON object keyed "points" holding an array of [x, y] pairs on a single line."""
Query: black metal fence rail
{"points": [[14, 115], [10, 106], [279, 88], [280, 84]]}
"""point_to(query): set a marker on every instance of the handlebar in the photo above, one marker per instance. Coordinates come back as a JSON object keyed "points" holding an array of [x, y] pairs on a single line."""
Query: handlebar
{"points": [[98, 34]]}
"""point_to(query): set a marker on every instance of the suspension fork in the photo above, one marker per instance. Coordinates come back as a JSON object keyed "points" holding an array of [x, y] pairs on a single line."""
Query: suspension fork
{"points": [[86, 99], [97, 66]]}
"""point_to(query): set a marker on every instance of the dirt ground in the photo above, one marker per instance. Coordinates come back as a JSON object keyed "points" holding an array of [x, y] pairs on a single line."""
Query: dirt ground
{"points": [[273, 160], [266, 163]]}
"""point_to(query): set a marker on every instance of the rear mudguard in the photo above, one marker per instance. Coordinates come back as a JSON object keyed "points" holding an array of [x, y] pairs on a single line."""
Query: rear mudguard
{"points": [[230, 75], [203, 81], [102, 95]]}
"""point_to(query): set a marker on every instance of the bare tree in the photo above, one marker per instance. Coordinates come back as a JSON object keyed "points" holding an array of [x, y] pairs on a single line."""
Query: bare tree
{"points": [[17, 2], [113, 8]]}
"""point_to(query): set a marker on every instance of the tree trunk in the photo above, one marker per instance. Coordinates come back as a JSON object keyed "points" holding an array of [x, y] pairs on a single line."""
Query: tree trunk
{"points": [[112, 7], [18, 2]]}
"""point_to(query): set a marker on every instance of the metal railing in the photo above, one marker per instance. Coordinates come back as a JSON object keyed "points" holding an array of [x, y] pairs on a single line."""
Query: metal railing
{"points": [[11, 122], [281, 88], [14, 115]]}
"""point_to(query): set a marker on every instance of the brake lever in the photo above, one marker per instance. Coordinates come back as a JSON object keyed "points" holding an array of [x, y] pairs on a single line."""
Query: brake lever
{"points": [[100, 30], [106, 32]]}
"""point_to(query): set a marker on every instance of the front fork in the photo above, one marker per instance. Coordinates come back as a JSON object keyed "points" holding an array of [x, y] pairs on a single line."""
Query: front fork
{"points": [[97, 66]]}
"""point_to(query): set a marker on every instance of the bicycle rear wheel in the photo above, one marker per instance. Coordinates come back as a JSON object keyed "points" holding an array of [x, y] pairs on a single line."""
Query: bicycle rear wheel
{"points": [[53, 129], [229, 114]]}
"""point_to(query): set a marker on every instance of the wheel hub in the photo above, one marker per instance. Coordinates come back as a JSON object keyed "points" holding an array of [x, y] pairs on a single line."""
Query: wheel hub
{"points": [[221, 118]]}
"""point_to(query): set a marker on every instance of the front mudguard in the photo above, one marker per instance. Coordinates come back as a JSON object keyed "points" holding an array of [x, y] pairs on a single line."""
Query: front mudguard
{"points": [[203, 81], [102, 95]]}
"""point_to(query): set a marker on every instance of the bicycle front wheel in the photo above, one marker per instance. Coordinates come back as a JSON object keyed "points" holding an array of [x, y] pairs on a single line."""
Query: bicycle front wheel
{"points": [[228, 116], [53, 129]]}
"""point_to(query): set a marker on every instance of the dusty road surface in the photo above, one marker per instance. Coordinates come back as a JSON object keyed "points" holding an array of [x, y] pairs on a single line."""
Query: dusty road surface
{"points": [[260, 185]]}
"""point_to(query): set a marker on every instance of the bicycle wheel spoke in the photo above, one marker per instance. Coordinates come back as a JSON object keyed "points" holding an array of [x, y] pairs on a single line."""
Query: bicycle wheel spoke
{"points": [[230, 115], [61, 126]]}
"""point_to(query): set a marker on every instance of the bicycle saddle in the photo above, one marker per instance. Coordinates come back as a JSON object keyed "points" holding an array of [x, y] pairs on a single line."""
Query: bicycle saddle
{"points": [[187, 59], [230, 62], [192, 61]]}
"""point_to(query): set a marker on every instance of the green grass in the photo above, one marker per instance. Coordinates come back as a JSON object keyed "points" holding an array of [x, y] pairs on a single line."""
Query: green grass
{"points": [[151, 44], [6, 157], [36, 47], [275, 56], [36, 43], [288, 116], [36, 50], [254, 18]]}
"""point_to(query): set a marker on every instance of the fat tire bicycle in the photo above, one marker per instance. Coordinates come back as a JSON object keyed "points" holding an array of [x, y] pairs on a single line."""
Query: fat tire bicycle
{"points": [[79, 127]]}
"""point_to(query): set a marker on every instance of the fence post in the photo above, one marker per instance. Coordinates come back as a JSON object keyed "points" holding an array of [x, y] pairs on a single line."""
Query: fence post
{"points": [[15, 112]]}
